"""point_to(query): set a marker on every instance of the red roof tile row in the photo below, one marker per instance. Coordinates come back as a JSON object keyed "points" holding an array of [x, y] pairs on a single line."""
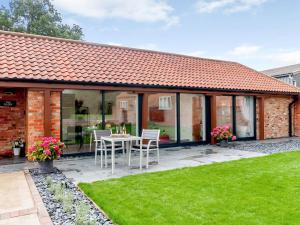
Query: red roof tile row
{"points": [[32, 57]]}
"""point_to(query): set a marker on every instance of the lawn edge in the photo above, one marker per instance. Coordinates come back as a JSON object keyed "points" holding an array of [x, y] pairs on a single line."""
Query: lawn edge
{"points": [[98, 207]]}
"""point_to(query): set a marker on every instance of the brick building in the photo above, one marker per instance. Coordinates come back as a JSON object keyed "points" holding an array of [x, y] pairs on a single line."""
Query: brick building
{"points": [[66, 88]]}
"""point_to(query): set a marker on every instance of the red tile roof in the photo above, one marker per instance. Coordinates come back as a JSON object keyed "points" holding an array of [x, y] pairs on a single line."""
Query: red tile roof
{"points": [[32, 57]]}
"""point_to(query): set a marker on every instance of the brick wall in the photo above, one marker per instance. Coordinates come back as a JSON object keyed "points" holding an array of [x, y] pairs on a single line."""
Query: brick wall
{"points": [[55, 114], [12, 120], [277, 116], [35, 115]]}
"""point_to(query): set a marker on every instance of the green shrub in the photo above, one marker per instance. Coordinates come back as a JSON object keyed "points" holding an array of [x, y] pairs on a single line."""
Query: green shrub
{"points": [[49, 181], [68, 200], [82, 214]]}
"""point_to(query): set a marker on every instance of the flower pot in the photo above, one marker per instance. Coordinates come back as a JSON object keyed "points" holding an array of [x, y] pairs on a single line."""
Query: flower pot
{"points": [[223, 144], [17, 151], [46, 166]]}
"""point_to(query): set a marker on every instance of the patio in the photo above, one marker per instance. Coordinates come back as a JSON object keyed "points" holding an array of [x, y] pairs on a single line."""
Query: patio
{"points": [[83, 169]]}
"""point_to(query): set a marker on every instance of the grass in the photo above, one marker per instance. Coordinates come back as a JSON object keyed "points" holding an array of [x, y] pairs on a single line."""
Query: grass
{"points": [[263, 190]]}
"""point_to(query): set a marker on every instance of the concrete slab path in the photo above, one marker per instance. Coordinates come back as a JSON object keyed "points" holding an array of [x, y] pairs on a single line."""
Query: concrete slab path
{"points": [[15, 195], [20, 202]]}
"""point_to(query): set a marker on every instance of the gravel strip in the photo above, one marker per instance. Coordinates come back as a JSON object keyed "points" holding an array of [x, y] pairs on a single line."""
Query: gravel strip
{"points": [[55, 209], [268, 148]]}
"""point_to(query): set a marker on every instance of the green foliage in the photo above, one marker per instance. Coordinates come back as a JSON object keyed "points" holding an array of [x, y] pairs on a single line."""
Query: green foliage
{"points": [[67, 201], [262, 190], [37, 17], [82, 214], [49, 181], [57, 190]]}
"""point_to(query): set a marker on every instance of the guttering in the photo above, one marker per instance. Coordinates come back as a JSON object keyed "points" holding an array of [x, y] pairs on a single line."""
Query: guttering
{"points": [[145, 86], [295, 98]]}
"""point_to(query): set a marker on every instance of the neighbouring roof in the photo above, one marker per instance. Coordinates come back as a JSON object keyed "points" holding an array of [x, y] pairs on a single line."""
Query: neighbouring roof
{"points": [[292, 69], [33, 57]]}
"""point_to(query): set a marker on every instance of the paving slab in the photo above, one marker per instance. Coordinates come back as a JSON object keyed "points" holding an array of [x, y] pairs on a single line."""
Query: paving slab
{"points": [[31, 219], [16, 198]]}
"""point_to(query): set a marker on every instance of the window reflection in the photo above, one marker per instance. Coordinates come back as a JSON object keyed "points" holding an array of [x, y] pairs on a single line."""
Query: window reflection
{"points": [[192, 117], [162, 115]]}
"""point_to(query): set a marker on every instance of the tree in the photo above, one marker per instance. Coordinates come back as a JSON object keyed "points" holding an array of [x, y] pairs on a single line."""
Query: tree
{"points": [[37, 17]]}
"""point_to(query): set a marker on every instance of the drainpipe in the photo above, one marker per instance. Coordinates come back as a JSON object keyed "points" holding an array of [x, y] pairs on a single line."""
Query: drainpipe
{"points": [[290, 116]]}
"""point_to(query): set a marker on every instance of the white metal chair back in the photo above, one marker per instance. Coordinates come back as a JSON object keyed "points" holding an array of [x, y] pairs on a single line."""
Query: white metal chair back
{"points": [[151, 134], [101, 133]]}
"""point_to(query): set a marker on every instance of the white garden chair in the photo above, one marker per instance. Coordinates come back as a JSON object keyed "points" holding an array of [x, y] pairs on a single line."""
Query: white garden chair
{"points": [[101, 146], [152, 136]]}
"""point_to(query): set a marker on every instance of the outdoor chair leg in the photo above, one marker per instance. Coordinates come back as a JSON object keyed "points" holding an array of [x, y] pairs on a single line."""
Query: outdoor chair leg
{"points": [[96, 153], [141, 158], [147, 159], [129, 157], [105, 158], [157, 155], [101, 155]]}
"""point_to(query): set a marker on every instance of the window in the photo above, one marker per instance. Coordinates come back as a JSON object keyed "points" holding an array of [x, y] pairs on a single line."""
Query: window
{"points": [[244, 107], [165, 103], [162, 116], [224, 110], [121, 109], [81, 113], [124, 105], [192, 117]]}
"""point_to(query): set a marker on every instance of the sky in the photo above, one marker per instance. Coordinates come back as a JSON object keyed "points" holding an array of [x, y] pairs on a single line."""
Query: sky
{"points": [[260, 34]]}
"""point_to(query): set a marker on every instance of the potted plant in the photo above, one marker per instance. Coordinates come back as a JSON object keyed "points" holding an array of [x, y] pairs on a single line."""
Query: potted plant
{"points": [[17, 144], [164, 137], [223, 134], [44, 152]]}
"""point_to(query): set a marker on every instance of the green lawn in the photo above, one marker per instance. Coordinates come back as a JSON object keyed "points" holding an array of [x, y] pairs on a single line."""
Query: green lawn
{"points": [[263, 190]]}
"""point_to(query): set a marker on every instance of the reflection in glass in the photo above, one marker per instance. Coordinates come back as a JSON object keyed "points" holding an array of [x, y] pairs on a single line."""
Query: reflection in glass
{"points": [[162, 115], [224, 110], [121, 110], [244, 116], [192, 117], [81, 113]]}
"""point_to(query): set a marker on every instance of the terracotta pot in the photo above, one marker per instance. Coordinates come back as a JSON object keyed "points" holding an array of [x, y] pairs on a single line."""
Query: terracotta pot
{"points": [[46, 166]]}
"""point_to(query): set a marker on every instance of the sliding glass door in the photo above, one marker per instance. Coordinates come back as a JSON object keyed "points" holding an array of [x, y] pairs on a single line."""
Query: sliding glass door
{"points": [[162, 115], [121, 110], [239, 113], [224, 110], [244, 108], [83, 111], [192, 118]]}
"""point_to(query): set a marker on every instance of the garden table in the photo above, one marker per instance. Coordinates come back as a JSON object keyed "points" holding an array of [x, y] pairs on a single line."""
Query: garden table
{"points": [[118, 138]]}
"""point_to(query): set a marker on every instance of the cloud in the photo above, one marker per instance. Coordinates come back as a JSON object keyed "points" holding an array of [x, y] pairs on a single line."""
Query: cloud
{"points": [[149, 46], [286, 57], [113, 43], [227, 6], [139, 11], [245, 50], [255, 56], [195, 53]]}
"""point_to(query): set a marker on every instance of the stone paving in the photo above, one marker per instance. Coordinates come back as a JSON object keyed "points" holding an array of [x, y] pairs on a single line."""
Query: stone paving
{"points": [[83, 169], [20, 202]]}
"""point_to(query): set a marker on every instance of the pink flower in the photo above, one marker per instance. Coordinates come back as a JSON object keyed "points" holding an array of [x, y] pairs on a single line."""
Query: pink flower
{"points": [[233, 138], [31, 149], [47, 152], [56, 148]]}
